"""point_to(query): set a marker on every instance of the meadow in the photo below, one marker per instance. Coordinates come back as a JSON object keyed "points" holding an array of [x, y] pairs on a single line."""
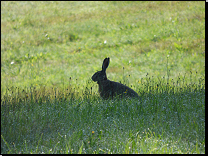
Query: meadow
{"points": [[50, 50]]}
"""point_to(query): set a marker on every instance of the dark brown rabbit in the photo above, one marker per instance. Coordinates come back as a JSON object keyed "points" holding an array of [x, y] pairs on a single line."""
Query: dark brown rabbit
{"points": [[110, 89]]}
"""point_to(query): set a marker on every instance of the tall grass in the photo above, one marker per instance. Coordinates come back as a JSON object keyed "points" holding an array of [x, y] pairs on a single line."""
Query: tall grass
{"points": [[168, 119]]}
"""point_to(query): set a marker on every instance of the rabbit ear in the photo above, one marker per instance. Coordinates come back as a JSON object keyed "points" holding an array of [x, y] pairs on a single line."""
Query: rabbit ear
{"points": [[106, 62]]}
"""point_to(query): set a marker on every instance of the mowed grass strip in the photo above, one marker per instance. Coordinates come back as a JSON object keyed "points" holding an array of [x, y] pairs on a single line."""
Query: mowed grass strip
{"points": [[46, 43]]}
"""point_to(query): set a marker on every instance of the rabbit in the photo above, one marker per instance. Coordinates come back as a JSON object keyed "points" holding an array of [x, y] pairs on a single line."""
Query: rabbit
{"points": [[110, 89]]}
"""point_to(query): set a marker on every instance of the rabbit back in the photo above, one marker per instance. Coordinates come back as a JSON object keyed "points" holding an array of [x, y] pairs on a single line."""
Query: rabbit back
{"points": [[110, 89]]}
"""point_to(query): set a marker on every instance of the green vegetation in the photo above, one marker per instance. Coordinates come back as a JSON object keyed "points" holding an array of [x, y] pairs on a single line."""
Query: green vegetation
{"points": [[50, 50]]}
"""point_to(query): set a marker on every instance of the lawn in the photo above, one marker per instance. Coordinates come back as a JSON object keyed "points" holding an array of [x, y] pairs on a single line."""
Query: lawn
{"points": [[50, 50]]}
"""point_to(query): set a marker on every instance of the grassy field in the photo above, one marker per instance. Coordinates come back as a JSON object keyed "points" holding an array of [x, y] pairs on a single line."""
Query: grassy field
{"points": [[50, 50]]}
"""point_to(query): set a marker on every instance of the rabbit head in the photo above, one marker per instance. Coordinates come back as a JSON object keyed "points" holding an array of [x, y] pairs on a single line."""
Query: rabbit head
{"points": [[101, 75]]}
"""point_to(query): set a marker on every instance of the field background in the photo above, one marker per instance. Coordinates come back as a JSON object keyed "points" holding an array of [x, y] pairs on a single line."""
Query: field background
{"points": [[62, 44]]}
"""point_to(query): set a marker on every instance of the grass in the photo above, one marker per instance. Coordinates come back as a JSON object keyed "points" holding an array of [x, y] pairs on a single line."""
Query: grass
{"points": [[50, 50], [167, 120]]}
